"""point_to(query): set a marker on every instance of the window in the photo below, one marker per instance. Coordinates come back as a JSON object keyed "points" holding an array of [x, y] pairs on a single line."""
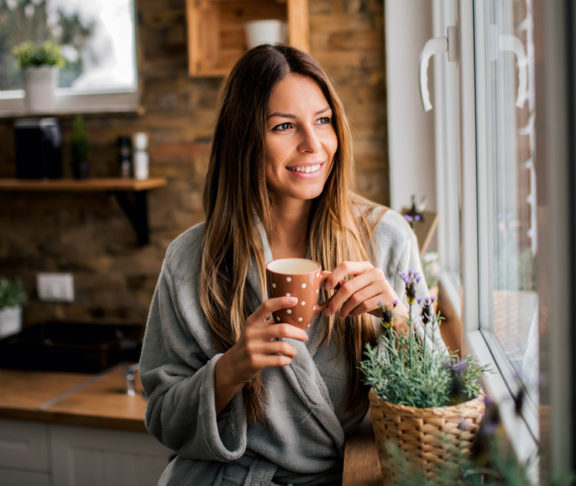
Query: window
{"points": [[97, 39], [506, 188], [485, 139]]}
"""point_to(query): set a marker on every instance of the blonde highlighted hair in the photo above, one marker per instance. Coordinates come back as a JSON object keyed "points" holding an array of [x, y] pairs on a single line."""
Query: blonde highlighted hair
{"points": [[236, 199]]}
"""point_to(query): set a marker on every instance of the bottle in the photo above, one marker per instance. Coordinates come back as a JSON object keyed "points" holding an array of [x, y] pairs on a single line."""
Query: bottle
{"points": [[124, 150], [140, 158]]}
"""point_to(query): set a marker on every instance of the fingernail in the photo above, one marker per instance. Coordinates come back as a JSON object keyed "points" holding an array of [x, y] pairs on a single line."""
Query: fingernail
{"points": [[328, 286], [292, 300], [328, 311]]}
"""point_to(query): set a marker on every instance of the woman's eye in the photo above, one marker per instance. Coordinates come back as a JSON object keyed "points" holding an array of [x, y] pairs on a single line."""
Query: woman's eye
{"points": [[282, 127], [325, 120]]}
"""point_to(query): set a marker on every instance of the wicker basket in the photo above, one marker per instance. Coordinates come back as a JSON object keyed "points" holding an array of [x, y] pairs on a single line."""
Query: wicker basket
{"points": [[427, 438]]}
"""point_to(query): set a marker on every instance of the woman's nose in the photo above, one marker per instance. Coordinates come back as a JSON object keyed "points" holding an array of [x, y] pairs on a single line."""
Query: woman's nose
{"points": [[310, 141]]}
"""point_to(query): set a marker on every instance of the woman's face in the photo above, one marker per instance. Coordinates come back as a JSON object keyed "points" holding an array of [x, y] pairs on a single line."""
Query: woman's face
{"points": [[300, 140]]}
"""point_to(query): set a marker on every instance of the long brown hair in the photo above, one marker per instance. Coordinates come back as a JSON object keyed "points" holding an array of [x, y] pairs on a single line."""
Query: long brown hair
{"points": [[236, 199]]}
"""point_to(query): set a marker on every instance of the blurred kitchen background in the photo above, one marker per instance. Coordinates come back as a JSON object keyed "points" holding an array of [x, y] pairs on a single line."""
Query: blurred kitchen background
{"points": [[86, 234]]}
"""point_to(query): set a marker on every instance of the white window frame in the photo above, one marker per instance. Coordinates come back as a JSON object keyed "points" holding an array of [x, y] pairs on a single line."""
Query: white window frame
{"points": [[522, 431], [66, 102]]}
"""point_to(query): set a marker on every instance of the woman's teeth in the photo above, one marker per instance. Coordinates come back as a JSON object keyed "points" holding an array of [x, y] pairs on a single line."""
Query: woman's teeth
{"points": [[306, 170]]}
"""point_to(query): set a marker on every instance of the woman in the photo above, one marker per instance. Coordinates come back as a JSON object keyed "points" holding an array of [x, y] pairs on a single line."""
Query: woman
{"points": [[242, 400]]}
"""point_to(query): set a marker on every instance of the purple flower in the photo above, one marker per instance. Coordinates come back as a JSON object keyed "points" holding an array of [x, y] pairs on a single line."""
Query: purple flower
{"points": [[427, 311], [388, 314], [410, 280]]}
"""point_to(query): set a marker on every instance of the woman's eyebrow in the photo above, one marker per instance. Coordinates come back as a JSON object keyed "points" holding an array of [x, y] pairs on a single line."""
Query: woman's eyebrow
{"points": [[289, 115]]}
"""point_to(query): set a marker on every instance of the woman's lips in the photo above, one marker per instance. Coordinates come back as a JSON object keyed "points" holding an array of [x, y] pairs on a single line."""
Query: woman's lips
{"points": [[305, 169]]}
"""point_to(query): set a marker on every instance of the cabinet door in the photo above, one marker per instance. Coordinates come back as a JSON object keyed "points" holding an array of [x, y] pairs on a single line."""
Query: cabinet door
{"points": [[24, 446], [24, 478], [93, 457]]}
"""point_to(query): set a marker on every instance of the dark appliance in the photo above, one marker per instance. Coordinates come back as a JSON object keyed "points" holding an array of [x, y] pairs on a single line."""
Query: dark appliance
{"points": [[38, 148], [71, 346]]}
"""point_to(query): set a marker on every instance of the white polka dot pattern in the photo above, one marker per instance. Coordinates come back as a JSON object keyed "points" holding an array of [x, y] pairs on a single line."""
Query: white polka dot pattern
{"points": [[284, 279]]}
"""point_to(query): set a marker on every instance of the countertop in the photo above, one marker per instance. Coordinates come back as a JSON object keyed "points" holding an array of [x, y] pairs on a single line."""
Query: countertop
{"points": [[87, 400], [98, 400]]}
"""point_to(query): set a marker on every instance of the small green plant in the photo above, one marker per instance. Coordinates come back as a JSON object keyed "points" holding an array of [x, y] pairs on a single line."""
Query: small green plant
{"points": [[80, 145], [408, 370], [12, 293], [28, 54]]}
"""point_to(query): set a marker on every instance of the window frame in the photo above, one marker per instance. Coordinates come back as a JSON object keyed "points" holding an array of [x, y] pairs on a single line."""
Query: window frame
{"points": [[522, 431]]}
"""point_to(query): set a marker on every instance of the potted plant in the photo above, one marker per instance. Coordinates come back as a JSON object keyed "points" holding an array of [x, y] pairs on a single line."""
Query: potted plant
{"points": [[426, 404], [12, 298], [40, 65], [80, 148]]}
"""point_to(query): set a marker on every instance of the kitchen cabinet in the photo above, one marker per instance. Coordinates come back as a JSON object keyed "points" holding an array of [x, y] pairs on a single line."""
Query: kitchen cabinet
{"points": [[84, 456], [24, 454], [37, 454], [216, 37], [131, 194]]}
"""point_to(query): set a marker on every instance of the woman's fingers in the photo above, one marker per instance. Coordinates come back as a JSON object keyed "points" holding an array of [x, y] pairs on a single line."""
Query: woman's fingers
{"points": [[361, 288], [365, 299], [346, 269], [269, 306], [276, 331]]}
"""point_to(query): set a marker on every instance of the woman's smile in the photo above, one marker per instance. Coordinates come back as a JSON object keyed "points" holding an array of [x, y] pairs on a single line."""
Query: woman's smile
{"points": [[306, 170]]}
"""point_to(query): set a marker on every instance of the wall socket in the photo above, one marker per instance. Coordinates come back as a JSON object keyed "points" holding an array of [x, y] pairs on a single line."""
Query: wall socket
{"points": [[55, 287]]}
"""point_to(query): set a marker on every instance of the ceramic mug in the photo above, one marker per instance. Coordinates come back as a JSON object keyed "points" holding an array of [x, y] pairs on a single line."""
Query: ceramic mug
{"points": [[300, 278]]}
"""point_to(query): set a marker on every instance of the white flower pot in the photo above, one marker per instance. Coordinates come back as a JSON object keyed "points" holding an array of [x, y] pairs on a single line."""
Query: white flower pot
{"points": [[10, 321], [40, 87], [265, 32]]}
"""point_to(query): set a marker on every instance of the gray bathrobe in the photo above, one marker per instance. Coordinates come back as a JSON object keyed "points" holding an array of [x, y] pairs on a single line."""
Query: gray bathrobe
{"points": [[307, 420]]}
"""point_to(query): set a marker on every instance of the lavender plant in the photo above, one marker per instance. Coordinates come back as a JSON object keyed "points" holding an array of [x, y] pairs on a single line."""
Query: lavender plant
{"points": [[410, 368]]}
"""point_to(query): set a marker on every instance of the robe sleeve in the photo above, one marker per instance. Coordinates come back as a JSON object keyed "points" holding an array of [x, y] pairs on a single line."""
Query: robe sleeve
{"points": [[177, 374]]}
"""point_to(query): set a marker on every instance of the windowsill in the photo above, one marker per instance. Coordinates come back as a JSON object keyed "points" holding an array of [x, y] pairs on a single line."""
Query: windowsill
{"points": [[70, 103], [522, 437]]}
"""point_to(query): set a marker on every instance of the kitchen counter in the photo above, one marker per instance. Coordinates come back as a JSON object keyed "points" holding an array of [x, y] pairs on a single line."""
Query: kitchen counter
{"points": [[99, 401], [88, 400]]}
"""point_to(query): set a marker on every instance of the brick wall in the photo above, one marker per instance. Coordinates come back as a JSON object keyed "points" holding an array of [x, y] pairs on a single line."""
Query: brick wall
{"points": [[88, 235]]}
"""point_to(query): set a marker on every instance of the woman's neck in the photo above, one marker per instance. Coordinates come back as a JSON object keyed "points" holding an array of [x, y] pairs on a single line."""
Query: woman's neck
{"points": [[290, 230]]}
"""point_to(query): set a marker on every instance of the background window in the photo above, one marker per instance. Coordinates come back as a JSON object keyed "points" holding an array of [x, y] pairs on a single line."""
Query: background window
{"points": [[97, 38]]}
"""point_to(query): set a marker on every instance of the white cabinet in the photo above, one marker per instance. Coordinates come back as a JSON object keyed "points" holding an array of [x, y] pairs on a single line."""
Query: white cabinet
{"points": [[93, 457], [36, 454], [24, 458], [11, 477]]}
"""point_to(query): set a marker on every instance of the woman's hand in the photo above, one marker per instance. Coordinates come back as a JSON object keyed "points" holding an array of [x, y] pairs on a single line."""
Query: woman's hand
{"points": [[259, 347], [360, 287]]}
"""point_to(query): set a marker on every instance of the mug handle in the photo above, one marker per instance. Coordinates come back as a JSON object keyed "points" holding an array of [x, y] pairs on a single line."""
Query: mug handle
{"points": [[321, 306]]}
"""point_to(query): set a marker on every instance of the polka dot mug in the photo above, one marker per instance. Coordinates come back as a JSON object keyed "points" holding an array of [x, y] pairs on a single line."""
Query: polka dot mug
{"points": [[300, 278]]}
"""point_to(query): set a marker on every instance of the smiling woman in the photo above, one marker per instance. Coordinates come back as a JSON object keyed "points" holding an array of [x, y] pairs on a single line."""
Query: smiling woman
{"points": [[97, 39], [236, 395]]}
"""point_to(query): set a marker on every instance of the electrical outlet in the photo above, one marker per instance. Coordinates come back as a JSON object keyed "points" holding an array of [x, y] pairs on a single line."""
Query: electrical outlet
{"points": [[55, 287]]}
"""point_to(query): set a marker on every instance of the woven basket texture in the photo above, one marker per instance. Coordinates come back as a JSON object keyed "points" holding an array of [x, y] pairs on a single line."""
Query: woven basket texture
{"points": [[429, 439]]}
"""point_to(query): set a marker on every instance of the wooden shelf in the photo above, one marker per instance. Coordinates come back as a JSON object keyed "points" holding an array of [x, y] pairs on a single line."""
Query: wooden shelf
{"points": [[216, 38], [131, 194], [74, 185]]}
